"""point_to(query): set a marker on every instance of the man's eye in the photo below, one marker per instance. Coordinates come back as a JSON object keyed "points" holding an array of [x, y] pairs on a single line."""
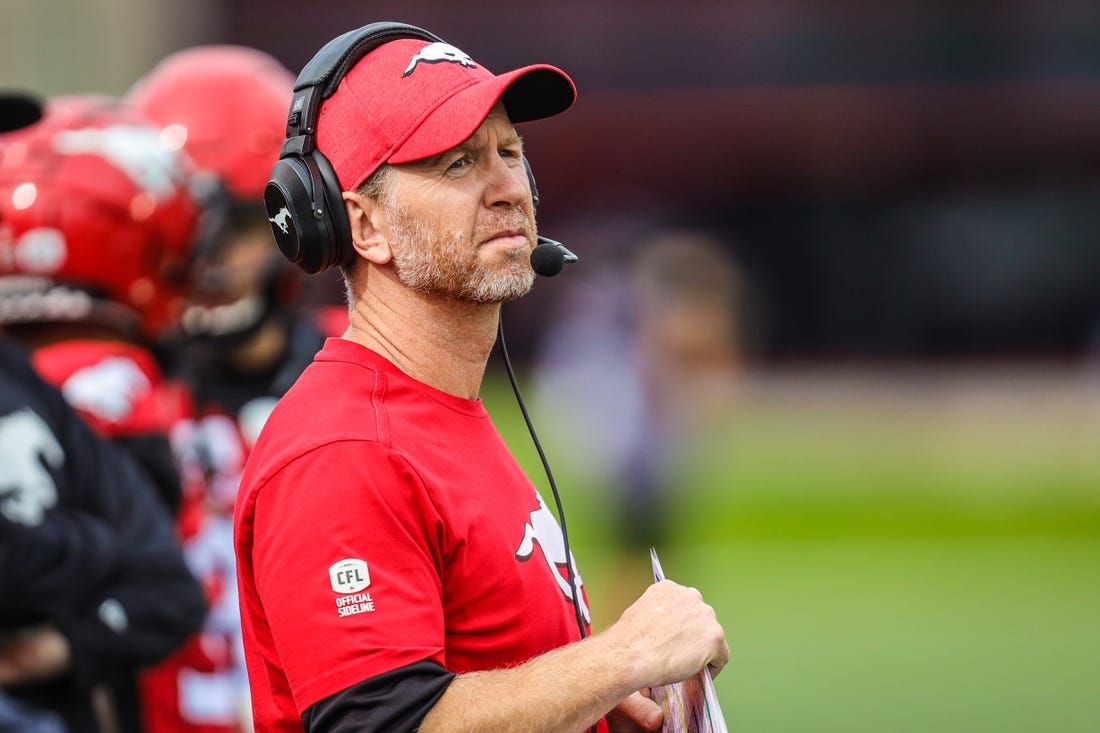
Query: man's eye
{"points": [[457, 164]]}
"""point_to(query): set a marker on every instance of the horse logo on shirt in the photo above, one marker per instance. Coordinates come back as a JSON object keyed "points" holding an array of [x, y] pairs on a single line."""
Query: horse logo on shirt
{"points": [[27, 447], [542, 529], [109, 389]]}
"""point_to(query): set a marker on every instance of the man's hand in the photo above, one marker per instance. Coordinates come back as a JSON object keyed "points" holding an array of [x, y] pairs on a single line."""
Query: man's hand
{"points": [[667, 635], [671, 634], [33, 656], [636, 714]]}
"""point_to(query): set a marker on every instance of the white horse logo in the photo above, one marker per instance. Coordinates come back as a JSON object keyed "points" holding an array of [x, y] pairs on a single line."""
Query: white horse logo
{"points": [[282, 220], [136, 151], [109, 389], [543, 530], [435, 53], [27, 446]]}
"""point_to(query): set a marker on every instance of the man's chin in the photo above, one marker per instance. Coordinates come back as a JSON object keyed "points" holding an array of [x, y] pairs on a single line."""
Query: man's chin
{"points": [[501, 288]]}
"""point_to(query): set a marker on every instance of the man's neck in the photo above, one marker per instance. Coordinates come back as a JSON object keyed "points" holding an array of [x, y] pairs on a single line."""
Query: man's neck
{"points": [[443, 343]]}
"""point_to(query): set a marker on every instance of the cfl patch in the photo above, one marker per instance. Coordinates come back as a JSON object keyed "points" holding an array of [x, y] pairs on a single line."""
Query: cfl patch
{"points": [[349, 577]]}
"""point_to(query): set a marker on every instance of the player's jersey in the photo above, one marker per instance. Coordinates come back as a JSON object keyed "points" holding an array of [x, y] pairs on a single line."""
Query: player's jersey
{"points": [[116, 386], [382, 522], [55, 468], [202, 688]]}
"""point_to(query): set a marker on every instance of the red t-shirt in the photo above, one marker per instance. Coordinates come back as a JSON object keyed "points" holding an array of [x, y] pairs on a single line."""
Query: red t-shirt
{"points": [[382, 522]]}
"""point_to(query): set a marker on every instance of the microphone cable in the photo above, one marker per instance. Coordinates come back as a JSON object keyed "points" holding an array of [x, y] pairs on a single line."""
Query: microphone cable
{"points": [[572, 574], [547, 260]]}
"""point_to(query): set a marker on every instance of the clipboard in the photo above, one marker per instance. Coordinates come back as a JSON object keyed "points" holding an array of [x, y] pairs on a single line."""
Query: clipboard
{"points": [[690, 706]]}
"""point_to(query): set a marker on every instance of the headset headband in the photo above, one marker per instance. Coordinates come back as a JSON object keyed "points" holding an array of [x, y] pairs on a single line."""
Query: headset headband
{"points": [[320, 78]]}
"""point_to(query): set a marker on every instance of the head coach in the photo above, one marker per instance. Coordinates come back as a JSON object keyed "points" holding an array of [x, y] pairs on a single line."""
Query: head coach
{"points": [[397, 569]]}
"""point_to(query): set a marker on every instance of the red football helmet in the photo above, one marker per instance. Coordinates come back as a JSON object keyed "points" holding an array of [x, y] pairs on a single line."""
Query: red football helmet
{"points": [[97, 219], [226, 105]]}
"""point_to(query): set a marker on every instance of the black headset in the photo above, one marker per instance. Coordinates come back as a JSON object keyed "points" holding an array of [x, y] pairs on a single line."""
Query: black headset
{"points": [[304, 198]]}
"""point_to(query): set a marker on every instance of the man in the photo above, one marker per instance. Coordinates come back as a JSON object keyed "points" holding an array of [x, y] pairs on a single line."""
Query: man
{"points": [[397, 570], [95, 584], [97, 219], [247, 335]]}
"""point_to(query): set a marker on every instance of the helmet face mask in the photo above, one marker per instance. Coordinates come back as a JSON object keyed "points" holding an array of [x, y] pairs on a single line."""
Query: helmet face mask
{"points": [[91, 199], [238, 285]]}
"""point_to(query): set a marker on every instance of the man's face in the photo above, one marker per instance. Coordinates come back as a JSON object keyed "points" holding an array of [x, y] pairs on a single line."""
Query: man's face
{"points": [[461, 224]]}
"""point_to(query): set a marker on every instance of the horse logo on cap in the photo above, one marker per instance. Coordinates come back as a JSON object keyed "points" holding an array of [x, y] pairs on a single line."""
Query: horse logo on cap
{"points": [[437, 52]]}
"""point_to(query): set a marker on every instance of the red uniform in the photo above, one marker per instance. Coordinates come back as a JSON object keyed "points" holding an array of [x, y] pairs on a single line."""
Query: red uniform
{"points": [[382, 522], [119, 389], [104, 244], [116, 386]]}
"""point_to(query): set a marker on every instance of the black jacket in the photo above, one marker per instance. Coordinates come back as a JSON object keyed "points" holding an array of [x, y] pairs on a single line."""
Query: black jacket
{"points": [[85, 545]]}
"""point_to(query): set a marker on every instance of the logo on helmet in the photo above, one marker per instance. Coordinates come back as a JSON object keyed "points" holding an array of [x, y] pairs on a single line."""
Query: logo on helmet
{"points": [[136, 151], [41, 250], [438, 52]]}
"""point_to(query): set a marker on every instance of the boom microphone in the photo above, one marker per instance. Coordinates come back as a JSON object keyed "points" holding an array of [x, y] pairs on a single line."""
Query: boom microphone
{"points": [[547, 260], [549, 257]]}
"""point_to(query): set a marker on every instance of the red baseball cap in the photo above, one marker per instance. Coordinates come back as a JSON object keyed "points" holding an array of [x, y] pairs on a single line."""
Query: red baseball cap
{"points": [[411, 99]]}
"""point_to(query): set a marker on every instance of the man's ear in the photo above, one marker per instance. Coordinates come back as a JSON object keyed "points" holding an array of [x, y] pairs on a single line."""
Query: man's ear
{"points": [[365, 216]]}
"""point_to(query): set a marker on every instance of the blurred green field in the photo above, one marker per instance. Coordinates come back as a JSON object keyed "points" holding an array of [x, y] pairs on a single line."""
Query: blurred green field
{"points": [[887, 552]]}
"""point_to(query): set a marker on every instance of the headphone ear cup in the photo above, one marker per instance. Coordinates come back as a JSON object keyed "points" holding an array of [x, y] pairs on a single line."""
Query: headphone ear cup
{"points": [[303, 197], [341, 250], [306, 210], [288, 198]]}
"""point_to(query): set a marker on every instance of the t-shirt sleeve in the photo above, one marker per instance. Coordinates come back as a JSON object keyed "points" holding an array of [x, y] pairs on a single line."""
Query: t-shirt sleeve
{"points": [[347, 553], [395, 702]]}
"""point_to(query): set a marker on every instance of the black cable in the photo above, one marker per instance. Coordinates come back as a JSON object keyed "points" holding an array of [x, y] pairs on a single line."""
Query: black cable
{"points": [[575, 592], [572, 574]]}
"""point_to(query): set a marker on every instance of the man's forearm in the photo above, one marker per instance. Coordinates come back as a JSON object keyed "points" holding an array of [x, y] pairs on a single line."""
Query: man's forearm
{"points": [[665, 636], [563, 691]]}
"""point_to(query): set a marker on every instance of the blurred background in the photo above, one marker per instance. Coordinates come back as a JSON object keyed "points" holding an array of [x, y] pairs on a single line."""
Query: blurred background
{"points": [[834, 342]]}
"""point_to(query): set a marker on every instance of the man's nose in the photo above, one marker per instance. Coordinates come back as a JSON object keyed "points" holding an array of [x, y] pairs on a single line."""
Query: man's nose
{"points": [[507, 184]]}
